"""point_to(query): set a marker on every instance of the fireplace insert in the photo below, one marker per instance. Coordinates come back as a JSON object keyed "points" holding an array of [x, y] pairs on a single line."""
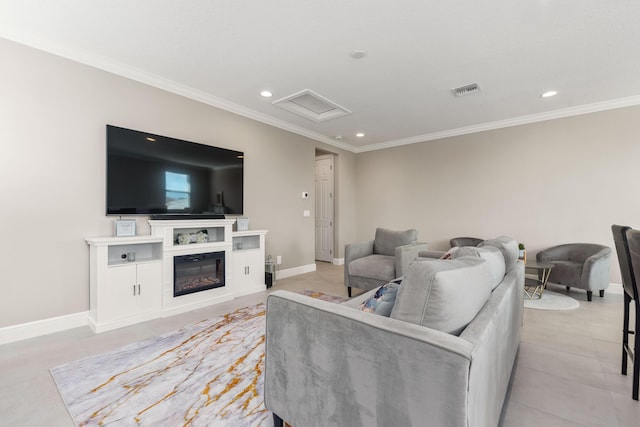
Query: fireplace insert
{"points": [[197, 272]]}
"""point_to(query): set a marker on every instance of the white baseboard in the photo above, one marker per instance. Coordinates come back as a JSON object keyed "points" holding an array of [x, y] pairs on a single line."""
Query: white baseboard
{"points": [[283, 274], [338, 261], [25, 331], [615, 288]]}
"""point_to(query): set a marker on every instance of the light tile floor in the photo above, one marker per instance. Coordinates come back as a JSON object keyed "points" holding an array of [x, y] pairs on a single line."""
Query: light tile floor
{"points": [[568, 371]]}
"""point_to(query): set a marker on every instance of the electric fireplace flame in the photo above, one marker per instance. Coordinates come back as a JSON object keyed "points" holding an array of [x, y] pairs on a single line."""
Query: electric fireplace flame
{"points": [[198, 272]]}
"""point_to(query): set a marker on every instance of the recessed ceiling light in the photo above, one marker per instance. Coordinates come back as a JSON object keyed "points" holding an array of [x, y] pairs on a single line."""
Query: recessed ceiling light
{"points": [[338, 137], [266, 94], [358, 54], [359, 134], [549, 94]]}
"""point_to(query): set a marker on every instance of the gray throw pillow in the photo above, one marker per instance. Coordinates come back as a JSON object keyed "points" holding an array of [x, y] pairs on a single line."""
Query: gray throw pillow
{"points": [[509, 248], [386, 241], [443, 294], [492, 255]]}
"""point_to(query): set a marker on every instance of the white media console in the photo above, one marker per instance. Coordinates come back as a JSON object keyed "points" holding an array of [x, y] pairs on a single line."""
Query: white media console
{"points": [[132, 278]]}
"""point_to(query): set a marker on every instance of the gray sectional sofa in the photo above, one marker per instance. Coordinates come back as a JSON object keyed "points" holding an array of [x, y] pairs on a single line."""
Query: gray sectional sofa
{"points": [[444, 357]]}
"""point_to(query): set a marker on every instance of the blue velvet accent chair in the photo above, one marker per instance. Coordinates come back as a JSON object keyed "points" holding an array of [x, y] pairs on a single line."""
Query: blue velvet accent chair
{"points": [[371, 264], [579, 265]]}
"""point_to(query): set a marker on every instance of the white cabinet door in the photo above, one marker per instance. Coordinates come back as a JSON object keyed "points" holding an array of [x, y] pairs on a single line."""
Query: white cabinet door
{"points": [[255, 260], [240, 270], [118, 296], [130, 290], [149, 291], [248, 269]]}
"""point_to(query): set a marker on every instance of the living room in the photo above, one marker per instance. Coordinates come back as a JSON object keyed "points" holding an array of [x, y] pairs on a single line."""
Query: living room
{"points": [[553, 181], [550, 179]]}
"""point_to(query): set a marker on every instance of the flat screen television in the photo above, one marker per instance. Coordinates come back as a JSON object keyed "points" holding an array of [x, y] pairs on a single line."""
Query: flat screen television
{"points": [[164, 177]]}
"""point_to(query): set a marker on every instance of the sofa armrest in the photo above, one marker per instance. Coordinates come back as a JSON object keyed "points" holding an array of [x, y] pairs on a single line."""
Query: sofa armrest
{"points": [[595, 273], [354, 251], [431, 254], [406, 254], [328, 364]]}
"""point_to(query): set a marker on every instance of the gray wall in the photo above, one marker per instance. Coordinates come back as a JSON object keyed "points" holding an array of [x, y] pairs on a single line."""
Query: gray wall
{"points": [[53, 114], [559, 181]]}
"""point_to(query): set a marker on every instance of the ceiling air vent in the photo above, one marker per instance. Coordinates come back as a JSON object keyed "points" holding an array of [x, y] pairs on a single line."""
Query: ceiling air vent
{"points": [[312, 106], [466, 89]]}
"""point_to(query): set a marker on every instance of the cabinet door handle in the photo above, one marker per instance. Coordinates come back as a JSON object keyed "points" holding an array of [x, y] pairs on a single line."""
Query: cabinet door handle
{"points": [[138, 288], [134, 290], [248, 269]]}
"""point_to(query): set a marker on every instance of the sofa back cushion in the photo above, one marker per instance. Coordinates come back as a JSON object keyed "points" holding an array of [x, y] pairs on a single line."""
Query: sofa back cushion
{"points": [[508, 247], [443, 294], [387, 241], [492, 255]]}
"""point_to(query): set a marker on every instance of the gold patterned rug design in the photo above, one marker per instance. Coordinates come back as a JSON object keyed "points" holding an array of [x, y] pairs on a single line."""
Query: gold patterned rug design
{"points": [[205, 374]]}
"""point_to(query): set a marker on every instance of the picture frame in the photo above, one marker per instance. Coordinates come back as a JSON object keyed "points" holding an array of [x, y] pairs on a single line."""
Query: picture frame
{"points": [[243, 224], [125, 227]]}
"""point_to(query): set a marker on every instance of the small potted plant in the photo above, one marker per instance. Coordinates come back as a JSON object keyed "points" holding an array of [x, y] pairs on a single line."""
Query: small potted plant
{"points": [[523, 253]]}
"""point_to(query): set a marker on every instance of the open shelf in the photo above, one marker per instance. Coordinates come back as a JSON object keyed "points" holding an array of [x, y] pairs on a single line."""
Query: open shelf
{"points": [[197, 235], [143, 252], [243, 243]]}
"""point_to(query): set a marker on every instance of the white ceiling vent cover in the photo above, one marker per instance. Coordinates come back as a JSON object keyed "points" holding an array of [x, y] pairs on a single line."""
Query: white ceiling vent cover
{"points": [[466, 89], [312, 106]]}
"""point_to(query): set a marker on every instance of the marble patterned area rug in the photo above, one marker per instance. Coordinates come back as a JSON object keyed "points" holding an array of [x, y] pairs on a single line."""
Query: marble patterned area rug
{"points": [[552, 301], [205, 374]]}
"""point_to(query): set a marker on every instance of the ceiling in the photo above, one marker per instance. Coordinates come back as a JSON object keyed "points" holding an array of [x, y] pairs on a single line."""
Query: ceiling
{"points": [[224, 52]]}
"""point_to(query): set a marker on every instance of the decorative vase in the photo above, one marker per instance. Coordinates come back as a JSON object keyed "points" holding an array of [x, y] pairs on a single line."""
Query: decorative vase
{"points": [[523, 255]]}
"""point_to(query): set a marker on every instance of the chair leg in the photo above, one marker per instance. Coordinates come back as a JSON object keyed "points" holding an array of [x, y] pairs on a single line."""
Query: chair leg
{"points": [[277, 421], [636, 353], [601, 293], [349, 291], [589, 295], [625, 333]]}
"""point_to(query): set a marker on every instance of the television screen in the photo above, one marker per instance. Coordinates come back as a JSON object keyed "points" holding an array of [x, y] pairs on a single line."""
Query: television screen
{"points": [[150, 174]]}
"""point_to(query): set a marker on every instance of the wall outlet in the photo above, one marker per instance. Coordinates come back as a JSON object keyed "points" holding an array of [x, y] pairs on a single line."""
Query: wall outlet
{"points": [[279, 259]]}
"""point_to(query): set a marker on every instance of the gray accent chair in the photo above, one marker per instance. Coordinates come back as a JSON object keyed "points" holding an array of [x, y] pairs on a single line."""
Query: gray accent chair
{"points": [[627, 243], [371, 264], [579, 265], [465, 241]]}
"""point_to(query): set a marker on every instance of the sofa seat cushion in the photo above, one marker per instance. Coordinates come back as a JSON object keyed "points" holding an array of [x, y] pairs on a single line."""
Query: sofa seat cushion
{"points": [[386, 241], [379, 267], [566, 273], [443, 294], [382, 301]]}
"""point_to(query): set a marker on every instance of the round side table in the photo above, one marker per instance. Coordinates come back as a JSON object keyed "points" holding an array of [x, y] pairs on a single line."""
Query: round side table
{"points": [[533, 288]]}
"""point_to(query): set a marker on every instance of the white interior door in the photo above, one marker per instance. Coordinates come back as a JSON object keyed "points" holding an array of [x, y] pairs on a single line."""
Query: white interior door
{"points": [[324, 208]]}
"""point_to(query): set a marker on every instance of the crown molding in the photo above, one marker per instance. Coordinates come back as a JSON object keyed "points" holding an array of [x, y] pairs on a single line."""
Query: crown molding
{"points": [[516, 121], [132, 73], [138, 75]]}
